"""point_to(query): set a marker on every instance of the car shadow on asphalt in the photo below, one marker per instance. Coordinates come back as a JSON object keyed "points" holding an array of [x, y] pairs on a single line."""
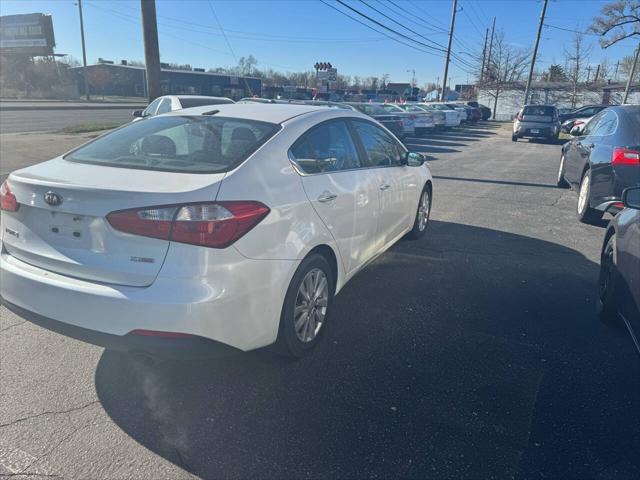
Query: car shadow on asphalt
{"points": [[435, 142], [422, 148], [470, 353], [497, 182]]}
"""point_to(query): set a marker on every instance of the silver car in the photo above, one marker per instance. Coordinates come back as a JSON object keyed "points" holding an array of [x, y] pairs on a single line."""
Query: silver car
{"points": [[536, 121]]}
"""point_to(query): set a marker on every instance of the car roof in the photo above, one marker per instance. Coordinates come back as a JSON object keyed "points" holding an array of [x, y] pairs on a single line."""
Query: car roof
{"points": [[272, 113]]}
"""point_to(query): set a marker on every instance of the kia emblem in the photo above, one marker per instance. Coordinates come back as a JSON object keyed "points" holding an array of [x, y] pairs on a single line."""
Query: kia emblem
{"points": [[52, 198]]}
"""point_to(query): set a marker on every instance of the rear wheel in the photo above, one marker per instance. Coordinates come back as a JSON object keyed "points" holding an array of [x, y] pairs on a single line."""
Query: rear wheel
{"points": [[422, 214], [306, 307], [562, 183], [608, 283], [585, 213]]}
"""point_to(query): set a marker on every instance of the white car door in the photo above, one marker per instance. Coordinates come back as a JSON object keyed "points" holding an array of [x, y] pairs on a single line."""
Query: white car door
{"points": [[396, 181], [344, 194]]}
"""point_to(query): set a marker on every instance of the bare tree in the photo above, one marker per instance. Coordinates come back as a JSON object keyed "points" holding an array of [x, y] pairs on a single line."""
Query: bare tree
{"points": [[605, 69], [577, 58], [618, 20], [507, 65], [626, 64]]}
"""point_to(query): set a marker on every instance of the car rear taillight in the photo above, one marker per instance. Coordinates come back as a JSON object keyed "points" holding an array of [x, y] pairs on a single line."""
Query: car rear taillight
{"points": [[8, 201], [625, 156], [211, 224]]}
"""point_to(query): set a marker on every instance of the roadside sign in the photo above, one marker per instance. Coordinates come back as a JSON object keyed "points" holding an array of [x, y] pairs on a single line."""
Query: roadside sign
{"points": [[332, 75], [323, 76]]}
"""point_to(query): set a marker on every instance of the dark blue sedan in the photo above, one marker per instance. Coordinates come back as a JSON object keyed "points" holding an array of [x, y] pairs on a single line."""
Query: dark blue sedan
{"points": [[603, 161]]}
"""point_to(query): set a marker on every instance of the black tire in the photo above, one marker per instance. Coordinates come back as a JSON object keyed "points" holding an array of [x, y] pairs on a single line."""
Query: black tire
{"points": [[420, 228], [562, 183], [288, 342], [608, 281], [584, 212], [514, 138]]}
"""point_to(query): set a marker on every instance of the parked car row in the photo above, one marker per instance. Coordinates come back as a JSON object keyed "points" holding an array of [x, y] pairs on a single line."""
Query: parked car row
{"points": [[602, 162]]}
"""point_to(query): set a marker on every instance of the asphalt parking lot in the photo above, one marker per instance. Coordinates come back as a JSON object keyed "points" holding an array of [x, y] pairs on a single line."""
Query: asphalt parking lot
{"points": [[472, 353]]}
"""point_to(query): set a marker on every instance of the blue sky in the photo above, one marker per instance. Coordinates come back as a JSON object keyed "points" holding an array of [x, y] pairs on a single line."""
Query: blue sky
{"points": [[292, 35]]}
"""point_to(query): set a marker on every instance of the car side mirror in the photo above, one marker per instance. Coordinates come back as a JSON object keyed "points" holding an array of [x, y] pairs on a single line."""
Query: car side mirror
{"points": [[415, 159], [137, 113], [631, 197], [575, 131]]}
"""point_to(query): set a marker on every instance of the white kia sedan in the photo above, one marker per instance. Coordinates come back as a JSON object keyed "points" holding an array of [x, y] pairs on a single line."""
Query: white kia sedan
{"points": [[208, 229]]}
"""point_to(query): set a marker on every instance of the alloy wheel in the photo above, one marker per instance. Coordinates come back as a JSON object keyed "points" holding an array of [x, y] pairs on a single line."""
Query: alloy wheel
{"points": [[311, 305], [583, 196], [423, 210]]}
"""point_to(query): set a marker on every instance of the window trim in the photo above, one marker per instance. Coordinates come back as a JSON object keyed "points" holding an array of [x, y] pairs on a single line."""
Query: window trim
{"points": [[355, 138], [294, 161]]}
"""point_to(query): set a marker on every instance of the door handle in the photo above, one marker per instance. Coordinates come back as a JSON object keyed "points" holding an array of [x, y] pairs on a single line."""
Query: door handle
{"points": [[385, 186], [327, 197]]}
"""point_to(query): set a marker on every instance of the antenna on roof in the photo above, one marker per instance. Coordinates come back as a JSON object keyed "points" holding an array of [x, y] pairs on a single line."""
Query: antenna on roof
{"points": [[211, 112]]}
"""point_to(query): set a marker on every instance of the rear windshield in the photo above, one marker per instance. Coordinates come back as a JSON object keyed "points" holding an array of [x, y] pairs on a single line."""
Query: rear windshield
{"points": [[411, 108], [198, 102], [539, 110], [192, 144]]}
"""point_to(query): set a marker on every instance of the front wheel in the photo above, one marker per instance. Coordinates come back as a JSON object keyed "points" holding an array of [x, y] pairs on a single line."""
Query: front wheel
{"points": [[422, 215], [585, 213], [562, 183], [306, 307]]}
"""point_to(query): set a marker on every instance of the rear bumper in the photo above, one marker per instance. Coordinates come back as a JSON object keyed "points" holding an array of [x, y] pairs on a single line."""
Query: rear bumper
{"points": [[188, 348], [229, 299]]}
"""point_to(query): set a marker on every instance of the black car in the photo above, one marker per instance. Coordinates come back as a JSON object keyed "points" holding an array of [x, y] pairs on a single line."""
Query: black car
{"points": [[619, 282], [377, 112], [486, 111], [603, 161], [582, 112]]}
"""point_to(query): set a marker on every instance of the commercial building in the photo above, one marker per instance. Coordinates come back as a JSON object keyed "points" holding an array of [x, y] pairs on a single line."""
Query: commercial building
{"points": [[107, 78]]}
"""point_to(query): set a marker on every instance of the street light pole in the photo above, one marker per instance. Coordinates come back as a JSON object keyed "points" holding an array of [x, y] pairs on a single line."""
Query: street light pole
{"points": [[446, 61], [631, 74], [84, 52], [151, 49], [535, 52]]}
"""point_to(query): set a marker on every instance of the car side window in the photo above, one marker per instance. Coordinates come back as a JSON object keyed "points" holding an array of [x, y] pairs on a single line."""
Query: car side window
{"points": [[151, 108], [592, 125], [607, 125], [381, 148], [164, 107], [588, 111], [326, 148]]}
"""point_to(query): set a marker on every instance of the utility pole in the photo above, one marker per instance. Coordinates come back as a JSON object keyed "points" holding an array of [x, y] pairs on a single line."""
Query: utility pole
{"points": [[493, 27], [615, 73], [535, 52], [484, 54], [446, 61], [588, 73], [631, 74], [84, 52], [595, 79], [151, 49]]}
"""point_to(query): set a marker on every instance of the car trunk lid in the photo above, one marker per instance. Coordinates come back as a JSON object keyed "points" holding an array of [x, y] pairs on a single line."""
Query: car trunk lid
{"points": [[61, 224]]}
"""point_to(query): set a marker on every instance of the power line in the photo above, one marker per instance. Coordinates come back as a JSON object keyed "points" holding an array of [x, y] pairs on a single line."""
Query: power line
{"points": [[570, 30], [426, 22], [420, 23], [441, 47]]}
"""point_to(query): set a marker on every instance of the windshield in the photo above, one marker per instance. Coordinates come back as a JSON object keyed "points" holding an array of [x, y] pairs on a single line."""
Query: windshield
{"points": [[393, 109], [178, 143], [411, 108], [371, 109]]}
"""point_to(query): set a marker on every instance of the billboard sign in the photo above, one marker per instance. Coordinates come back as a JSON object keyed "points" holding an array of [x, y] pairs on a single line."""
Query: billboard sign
{"points": [[29, 34]]}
